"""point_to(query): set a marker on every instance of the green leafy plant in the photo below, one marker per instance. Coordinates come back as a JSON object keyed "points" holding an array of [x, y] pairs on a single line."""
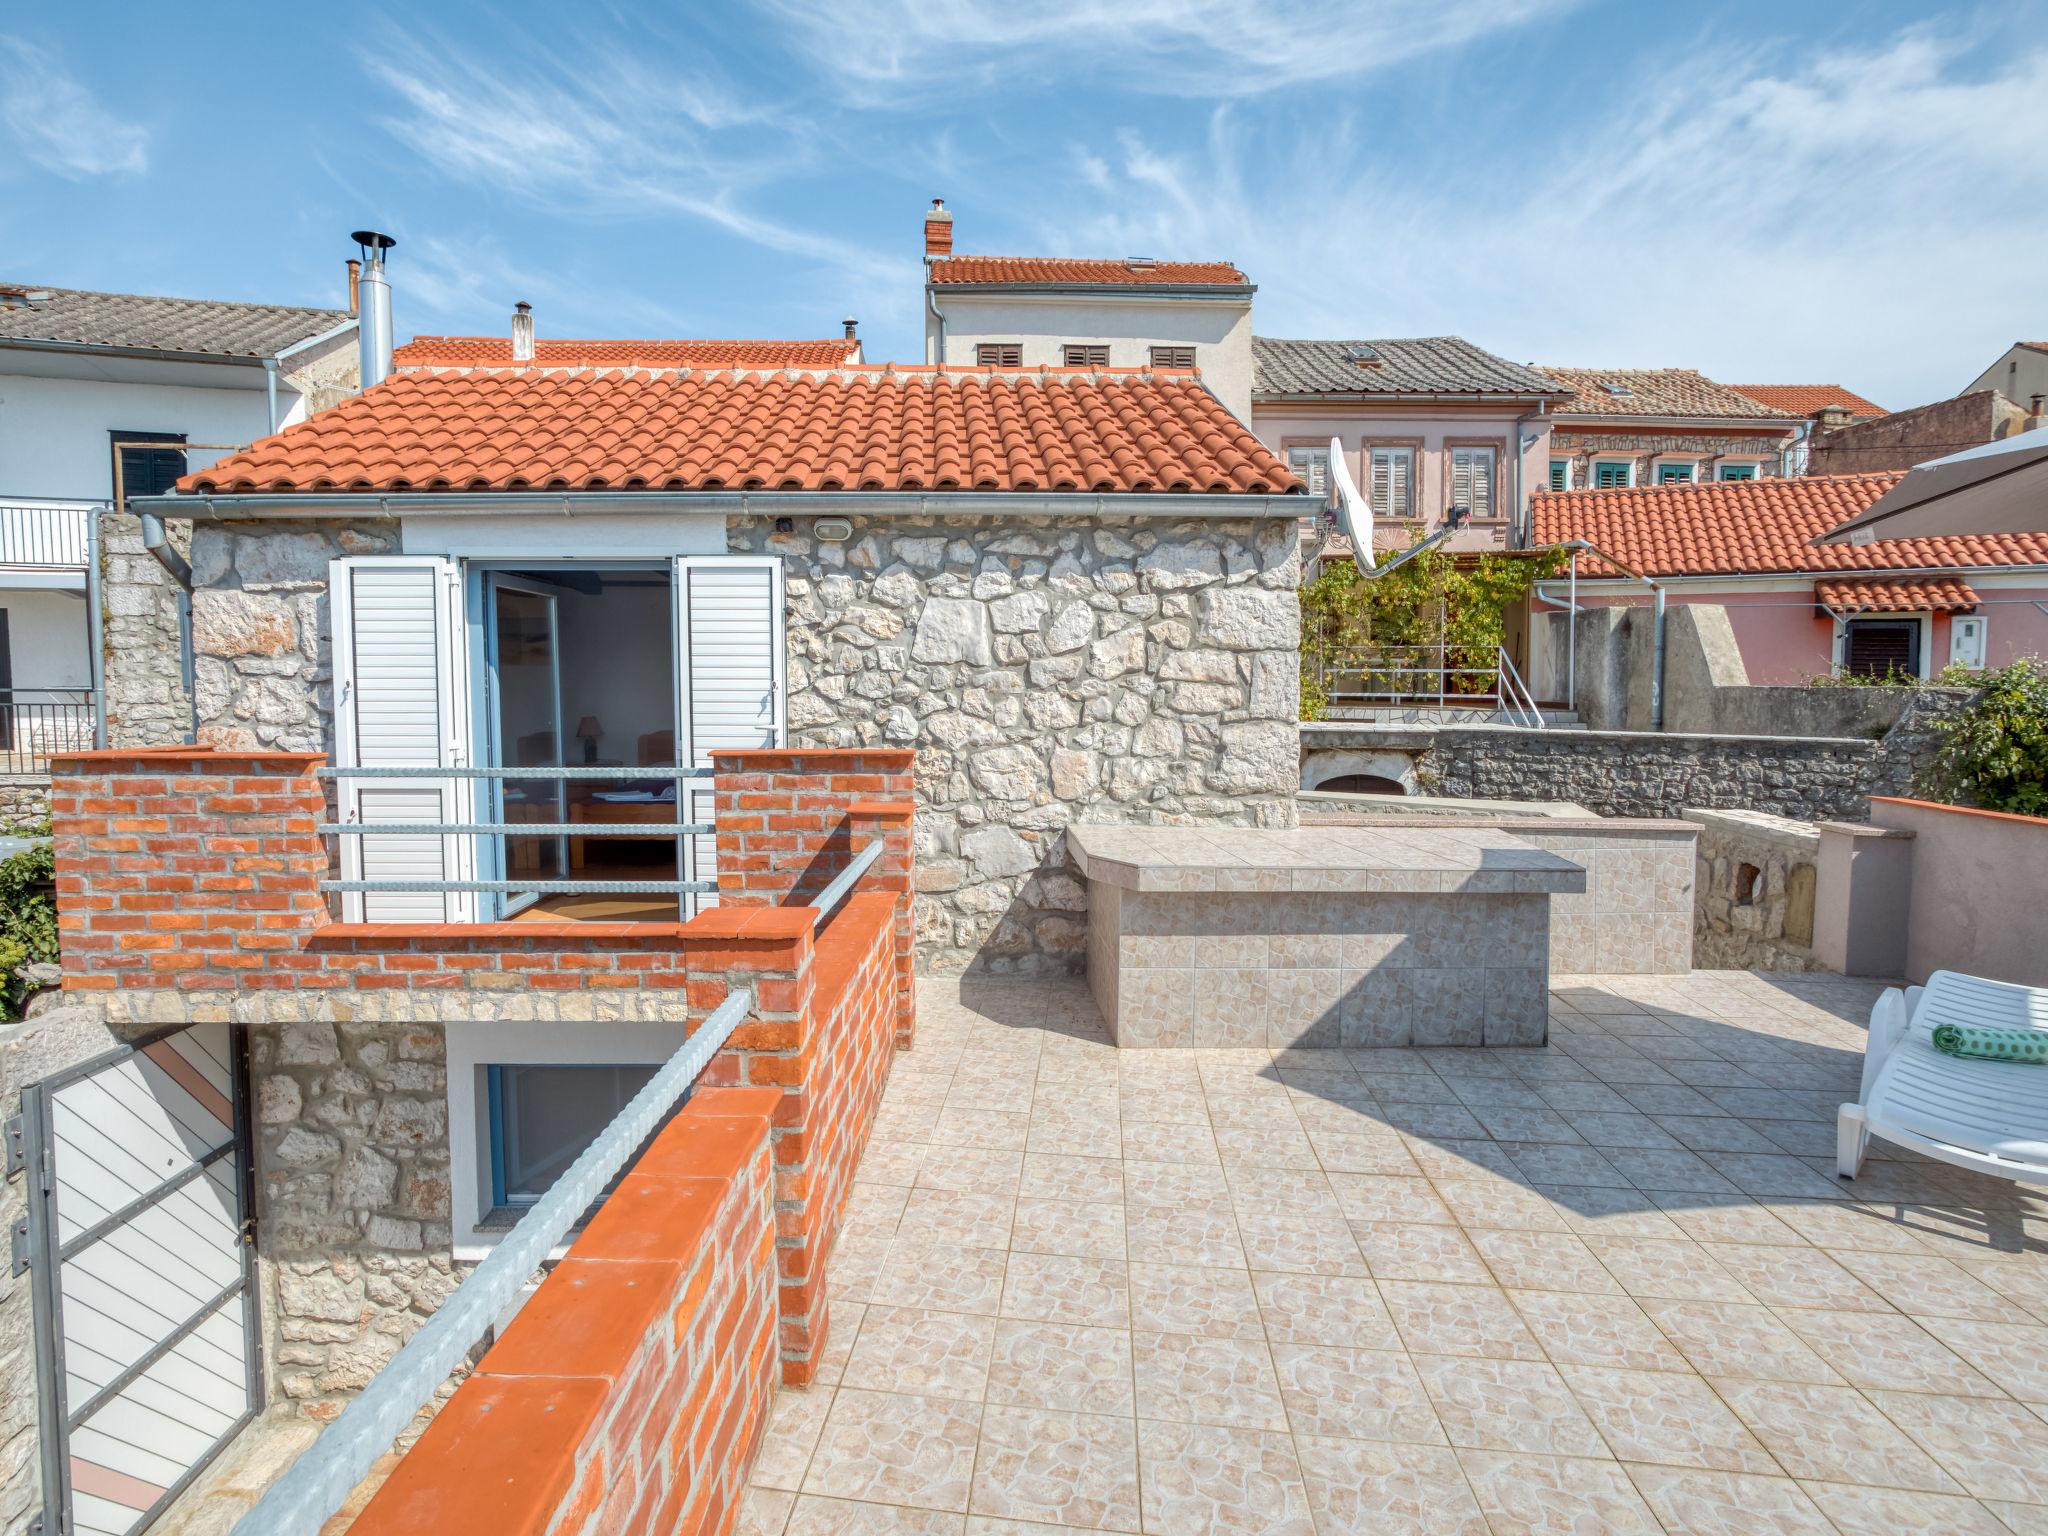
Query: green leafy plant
{"points": [[1459, 601], [1994, 751], [28, 919]]}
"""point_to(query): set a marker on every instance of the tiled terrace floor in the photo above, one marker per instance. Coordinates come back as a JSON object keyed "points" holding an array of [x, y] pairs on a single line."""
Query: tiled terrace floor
{"points": [[1610, 1286]]}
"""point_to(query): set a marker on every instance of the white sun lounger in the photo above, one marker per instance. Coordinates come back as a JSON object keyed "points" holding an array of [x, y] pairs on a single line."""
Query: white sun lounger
{"points": [[1988, 1115]]}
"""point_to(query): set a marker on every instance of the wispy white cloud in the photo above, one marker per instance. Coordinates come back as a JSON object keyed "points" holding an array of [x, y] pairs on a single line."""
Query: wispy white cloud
{"points": [[606, 134], [56, 123], [1859, 217], [895, 49]]}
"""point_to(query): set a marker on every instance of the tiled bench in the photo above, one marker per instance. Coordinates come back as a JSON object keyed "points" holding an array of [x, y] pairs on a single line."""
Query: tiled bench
{"points": [[1324, 936]]}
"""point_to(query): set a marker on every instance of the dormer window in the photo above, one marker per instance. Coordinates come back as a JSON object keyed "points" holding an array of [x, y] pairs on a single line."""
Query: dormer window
{"points": [[1363, 356], [1141, 263], [1619, 391]]}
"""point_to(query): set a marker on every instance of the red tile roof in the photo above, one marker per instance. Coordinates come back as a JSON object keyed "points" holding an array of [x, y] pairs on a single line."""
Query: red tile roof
{"points": [[1930, 594], [549, 352], [1805, 399], [963, 271], [878, 429], [1651, 392], [1756, 527]]}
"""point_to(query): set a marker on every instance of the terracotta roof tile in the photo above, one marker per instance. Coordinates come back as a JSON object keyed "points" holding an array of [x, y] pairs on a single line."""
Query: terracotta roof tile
{"points": [[1731, 527], [964, 271], [1930, 594], [1652, 392], [1805, 399], [550, 352], [880, 429]]}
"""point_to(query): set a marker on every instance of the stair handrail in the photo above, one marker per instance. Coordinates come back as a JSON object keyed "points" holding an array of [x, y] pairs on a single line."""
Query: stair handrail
{"points": [[1517, 701]]}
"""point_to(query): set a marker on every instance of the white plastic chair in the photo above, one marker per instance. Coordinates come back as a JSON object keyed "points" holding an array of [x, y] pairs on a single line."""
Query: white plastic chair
{"points": [[1991, 1116]]}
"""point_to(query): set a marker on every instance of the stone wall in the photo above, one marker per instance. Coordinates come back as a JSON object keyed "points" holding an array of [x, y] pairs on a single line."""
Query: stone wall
{"points": [[24, 799], [352, 1163], [1756, 884], [1047, 671], [146, 702], [1906, 438]]}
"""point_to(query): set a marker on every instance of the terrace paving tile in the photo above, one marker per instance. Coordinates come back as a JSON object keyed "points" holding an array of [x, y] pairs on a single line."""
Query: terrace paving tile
{"points": [[1321, 1291]]}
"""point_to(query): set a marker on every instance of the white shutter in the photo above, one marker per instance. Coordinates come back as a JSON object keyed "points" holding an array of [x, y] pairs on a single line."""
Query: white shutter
{"points": [[398, 703], [730, 678], [1380, 491]]}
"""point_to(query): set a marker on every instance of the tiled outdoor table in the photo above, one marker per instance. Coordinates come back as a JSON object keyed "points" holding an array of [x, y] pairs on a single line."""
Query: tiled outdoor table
{"points": [[1323, 936]]}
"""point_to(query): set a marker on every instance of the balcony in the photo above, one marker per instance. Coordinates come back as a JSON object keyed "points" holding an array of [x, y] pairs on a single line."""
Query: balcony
{"points": [[44, 537]]}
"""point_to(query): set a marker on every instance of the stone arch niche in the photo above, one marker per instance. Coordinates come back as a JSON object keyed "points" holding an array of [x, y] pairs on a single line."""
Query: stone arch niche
{"points": [[1371, 773]]}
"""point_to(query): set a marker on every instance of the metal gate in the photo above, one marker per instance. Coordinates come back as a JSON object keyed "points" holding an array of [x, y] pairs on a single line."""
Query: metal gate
{"points": [[137, 1241]]}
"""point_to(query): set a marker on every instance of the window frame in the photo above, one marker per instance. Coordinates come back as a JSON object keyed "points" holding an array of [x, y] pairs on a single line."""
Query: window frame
{"points": [[1746, 469], [1663, 462], [473, 1046], [1496, 447], [1921, 624], [1154, 360], [500, 1117], [1290, 446], [1564, 464], [168, 444], [1414, 447], [1607, 461], [983, 348], [1100, 349]]}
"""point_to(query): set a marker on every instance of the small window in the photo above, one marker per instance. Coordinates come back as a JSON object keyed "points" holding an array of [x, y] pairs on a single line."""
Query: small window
{"points": [[1313, 465], [1086, 357], [1675, 474], [1881, 648], [1738, 472], [1472, 480], [1173, 357], [999, 354], [149, 471], [542, 1117], [1613, 474], [1560, 474], [1392, 491]]}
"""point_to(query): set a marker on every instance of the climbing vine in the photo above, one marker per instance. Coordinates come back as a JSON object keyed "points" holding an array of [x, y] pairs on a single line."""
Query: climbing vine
{"points": [[1460, 601], [1994, 753]]}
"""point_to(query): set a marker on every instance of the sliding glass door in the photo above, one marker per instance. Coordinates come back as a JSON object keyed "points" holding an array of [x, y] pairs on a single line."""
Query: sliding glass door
{"points": [[522, 632]]}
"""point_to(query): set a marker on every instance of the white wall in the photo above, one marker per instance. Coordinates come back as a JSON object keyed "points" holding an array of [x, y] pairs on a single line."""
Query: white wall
{"points": [[2019, 375], [53, 431], [46, 638], [1220, 330]]}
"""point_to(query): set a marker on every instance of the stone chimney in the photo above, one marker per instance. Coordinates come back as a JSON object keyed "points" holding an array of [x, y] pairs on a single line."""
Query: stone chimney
{"points": [[938, 230], [522, 332]]}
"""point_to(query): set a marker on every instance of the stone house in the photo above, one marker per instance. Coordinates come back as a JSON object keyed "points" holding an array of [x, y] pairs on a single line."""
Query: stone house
{"points": [[1629, 427], [1902, 439], [961, 609]]}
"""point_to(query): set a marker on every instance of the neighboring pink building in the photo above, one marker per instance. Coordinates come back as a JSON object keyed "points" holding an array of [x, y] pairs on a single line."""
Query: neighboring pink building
{"points": [[1801, 610]]}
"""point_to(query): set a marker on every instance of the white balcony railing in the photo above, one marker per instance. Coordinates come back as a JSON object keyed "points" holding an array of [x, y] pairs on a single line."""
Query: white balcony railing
{"points": [[51, 538]]}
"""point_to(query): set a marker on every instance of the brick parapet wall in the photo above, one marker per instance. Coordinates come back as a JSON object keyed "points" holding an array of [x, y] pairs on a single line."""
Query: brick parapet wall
{"points": [[189, 881], [630, 1392], [789, 821]]}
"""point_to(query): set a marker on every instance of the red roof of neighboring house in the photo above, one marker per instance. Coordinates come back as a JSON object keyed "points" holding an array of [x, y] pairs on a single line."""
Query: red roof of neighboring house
{"points": [[1651, 392], [1805, 399], [1929, 594], [961, 271], [1756, 527], [879, 429], [550, 352]]}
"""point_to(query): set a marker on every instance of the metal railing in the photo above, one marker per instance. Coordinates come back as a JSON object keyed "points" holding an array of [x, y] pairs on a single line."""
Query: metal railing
{"points": [[37, 724], [317, 1484], [843, 883], [644, 830], [1440, 676], [52, 538], [1516, 701]]}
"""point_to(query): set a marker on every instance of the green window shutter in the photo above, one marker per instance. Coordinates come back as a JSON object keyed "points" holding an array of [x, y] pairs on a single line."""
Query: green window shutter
{"points": [[1674, 474], [1560, 474], [1610, 475], [1738, 471]]}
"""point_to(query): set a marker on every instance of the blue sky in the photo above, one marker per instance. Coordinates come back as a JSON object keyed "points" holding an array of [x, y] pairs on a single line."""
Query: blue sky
{"points": [[1772, 193]]}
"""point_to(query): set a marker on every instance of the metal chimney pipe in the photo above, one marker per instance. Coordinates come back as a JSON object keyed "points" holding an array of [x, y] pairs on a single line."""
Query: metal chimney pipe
{"points": [[522, 332], [373, 330], [355, 283]]}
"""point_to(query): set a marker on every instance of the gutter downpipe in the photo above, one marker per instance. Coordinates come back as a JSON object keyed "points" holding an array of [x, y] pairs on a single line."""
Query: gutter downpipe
{"points": [[931, 299]]}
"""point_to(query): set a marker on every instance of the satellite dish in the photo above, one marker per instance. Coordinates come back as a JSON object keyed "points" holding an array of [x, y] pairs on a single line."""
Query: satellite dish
{"points": [[1351, 508]]}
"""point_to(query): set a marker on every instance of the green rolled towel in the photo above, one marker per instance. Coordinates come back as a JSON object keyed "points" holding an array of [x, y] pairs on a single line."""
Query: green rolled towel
{"points": [[2023, 1045]]}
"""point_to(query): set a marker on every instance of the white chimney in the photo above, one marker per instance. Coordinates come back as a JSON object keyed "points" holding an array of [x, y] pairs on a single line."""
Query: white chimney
{"points": [[373, 325], [522, 332]]}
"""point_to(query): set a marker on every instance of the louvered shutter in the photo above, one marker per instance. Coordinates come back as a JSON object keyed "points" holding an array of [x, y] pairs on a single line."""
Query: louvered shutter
{"points": [[730, 676], [1380, 491], [1472, 480], [398, 703]]}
